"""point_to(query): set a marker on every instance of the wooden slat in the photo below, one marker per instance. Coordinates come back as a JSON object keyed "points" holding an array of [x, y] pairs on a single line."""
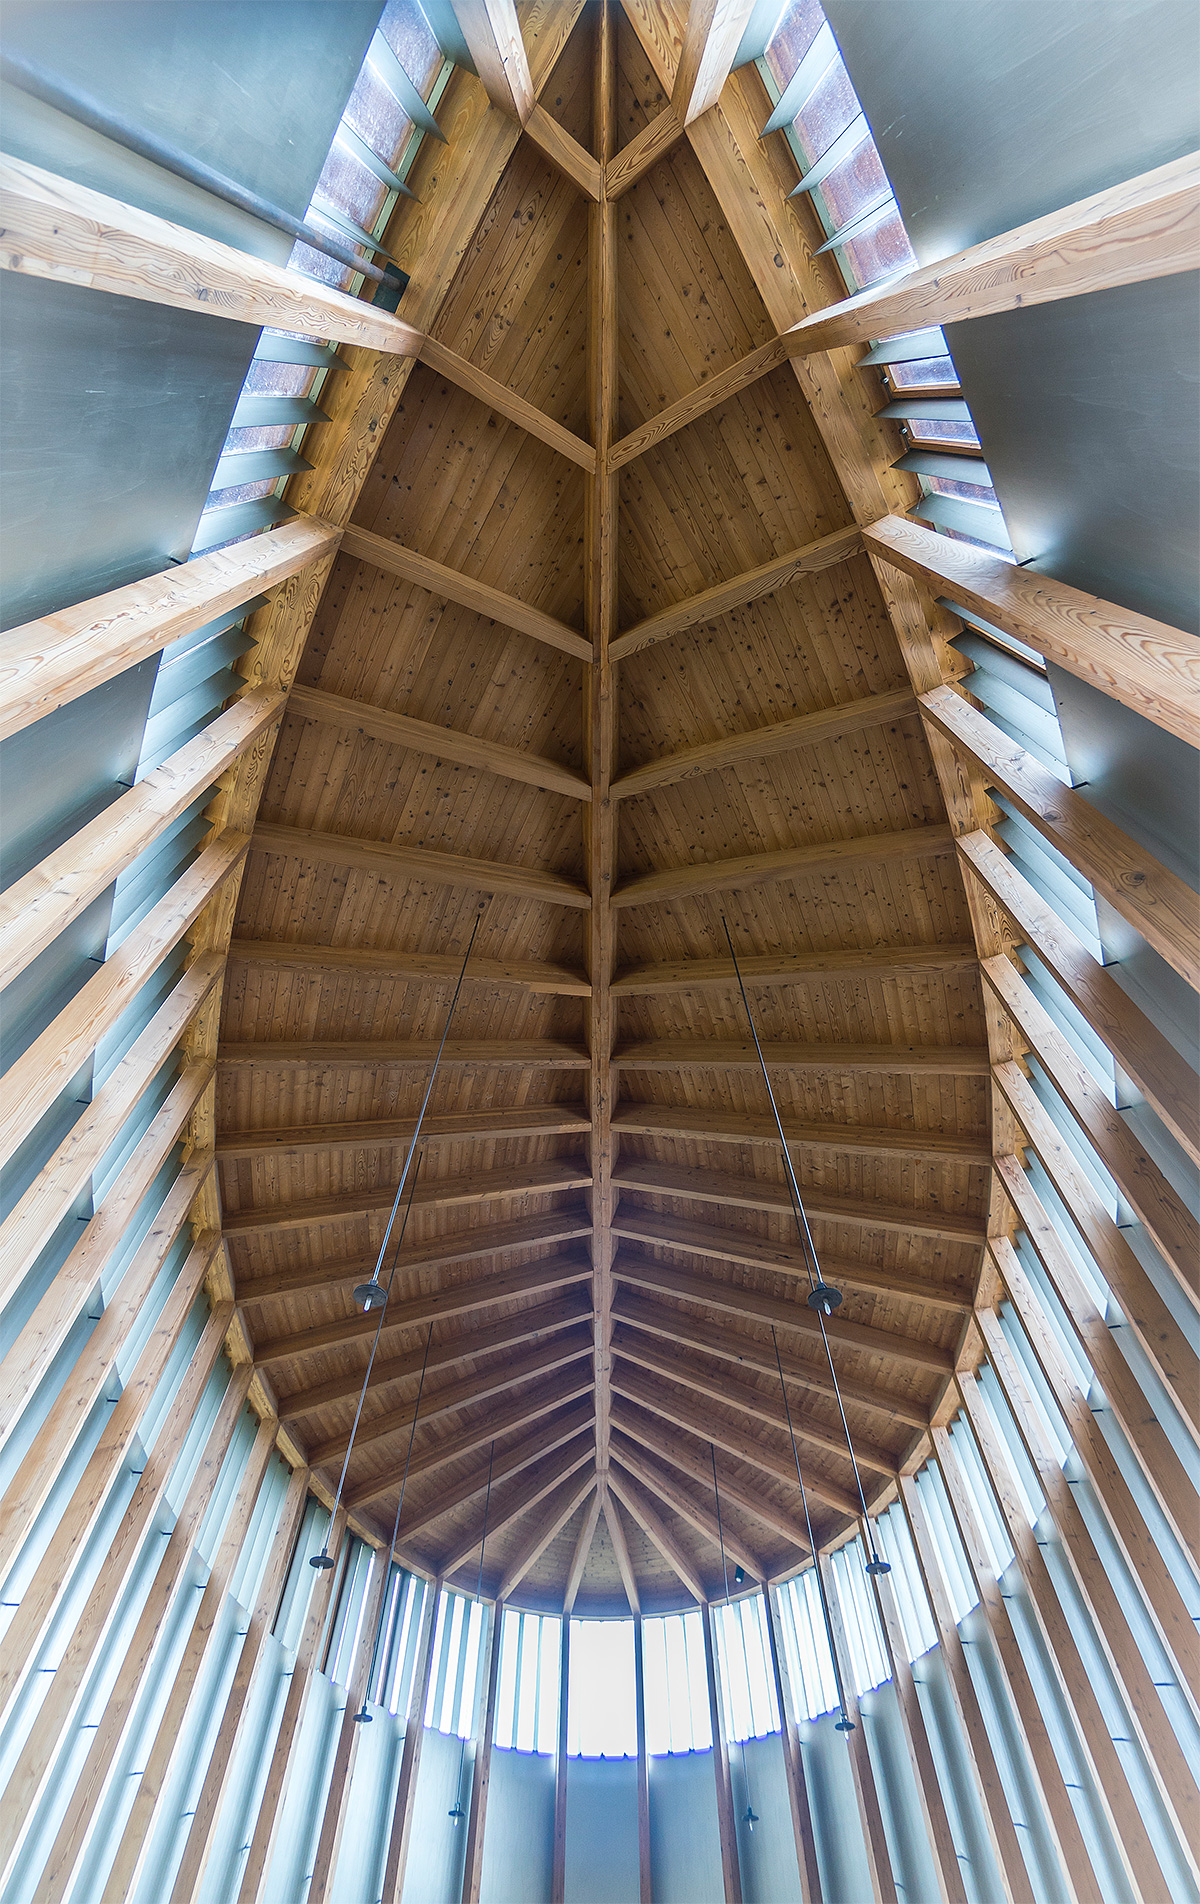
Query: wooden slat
{"points": [[477, 383], [710, 43], [715, 390], [755, 1193], [333, 1816], [1148, 227], [565, 154], [57, 229], [788, 1314], [38, 907], [790, 968], [731, 1245], [460, 1246], [788, 863], [681, 1407], [852, 1140], [403, 1810], [493, 36], [1154, 900], [56, 1186], [866, 1792], [1162, 1210], [45, 664], [548, 1454], [534, 1054], [1138, 1046], [437, 968], [658, 137], [546, 1179], [395, 861], [1143, 663], [798, 1801], [717, 1338], [549, 1272], [824, 553], [444, 743], [640, 1450], [46, 1068], [395, 559], [739, 1054], [731, 1874], [481, 1768], [764, 743]]}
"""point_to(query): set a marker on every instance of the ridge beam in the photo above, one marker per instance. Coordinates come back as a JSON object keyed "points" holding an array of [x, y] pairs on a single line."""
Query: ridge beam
{"points": [[444, 743], [392, 860], [393, 557], [824, 553], [764, 743], [1146, 228], [786, 863]]}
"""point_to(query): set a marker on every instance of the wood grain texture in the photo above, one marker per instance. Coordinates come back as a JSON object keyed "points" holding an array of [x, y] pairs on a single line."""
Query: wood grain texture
{"points": [[715, 601]]}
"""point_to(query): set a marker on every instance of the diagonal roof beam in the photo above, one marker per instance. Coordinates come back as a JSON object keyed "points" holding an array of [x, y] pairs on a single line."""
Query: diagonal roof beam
{"points": [[583, 1547], [467, 376], [643, 151], [493, 36], [620, 1546], [665, 1484], [393, 860], [852, 1140], [696, 403], [534, 1481], [570, 1431], [710, 43], [765, 869], [549, 1524], [690, 1455], [537, 977], [637, 1504], [790, 968]]}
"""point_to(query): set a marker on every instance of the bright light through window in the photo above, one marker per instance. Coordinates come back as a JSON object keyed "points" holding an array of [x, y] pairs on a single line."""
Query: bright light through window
{"points": [[602, 1707], [743, 1647], [527, 1695], [676, 1684], [454, 1685]]}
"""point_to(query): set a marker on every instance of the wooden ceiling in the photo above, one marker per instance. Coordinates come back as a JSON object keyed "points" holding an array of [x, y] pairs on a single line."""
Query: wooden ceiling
{"points": [[600, 1235]]}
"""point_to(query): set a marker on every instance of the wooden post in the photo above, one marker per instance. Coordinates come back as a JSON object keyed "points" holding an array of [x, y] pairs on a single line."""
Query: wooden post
{"points": [[802, 1825], [645, 1880], [481, 1770], [731, 1874], [357, 1685], [400, 1835], [558, 1882], [870, 1811]]}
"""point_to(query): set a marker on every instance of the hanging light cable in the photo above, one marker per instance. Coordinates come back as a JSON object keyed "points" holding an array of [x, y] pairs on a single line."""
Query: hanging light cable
{"points": [[749, 1817], [844, 1723], [325, 1558], [370, 1295], [822, 1297], [456, 1810], [362, 1716]]}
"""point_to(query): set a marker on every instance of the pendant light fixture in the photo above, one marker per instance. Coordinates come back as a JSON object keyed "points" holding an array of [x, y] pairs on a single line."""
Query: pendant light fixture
{"points": [[822, 1297], [371, 1295], [362, 1716], [456, 1810], [325, 1559], [750, 1817]]}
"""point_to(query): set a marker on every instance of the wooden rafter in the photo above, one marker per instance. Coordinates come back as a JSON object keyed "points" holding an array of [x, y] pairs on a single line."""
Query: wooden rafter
{"points": [[790, 968], [493, 36], [643, 151], [664, 1483], [714, 391], [582, 1548], [786, 863], [567, 156], [393, 860], [467, 376], [535, 1479], [522, 975], [556, 1512], [710, 42], [861, 1140], [739, 1054], [634, 1499], [620, 1546], [690, 1453], [494, 1185]]}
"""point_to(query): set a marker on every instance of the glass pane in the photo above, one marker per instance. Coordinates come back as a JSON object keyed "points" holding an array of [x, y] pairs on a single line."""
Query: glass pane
{"points": [[602, 1709]]}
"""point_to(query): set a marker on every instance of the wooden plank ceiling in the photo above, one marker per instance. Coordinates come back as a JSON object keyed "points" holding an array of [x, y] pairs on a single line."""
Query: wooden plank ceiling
{"points": [[343, 960]]}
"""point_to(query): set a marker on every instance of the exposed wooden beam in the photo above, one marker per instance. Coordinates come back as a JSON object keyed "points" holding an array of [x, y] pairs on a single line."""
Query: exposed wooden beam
{"points": [[706, 396], [1138, 1046], [681, 1367], [47, 663], [852, 1140], [567, 156], [620, 1547], [803, 1834], [644, 150], [477, 383], [392, 861], [550, 1399], [790, 862], [545, 1358], [444, 743], [729, 1245], [884, 962], [756, 1193], [382, 553], [333, 1813], [739, 1054], [786, 1314], [824, 553], [433, 968], [549, 1524], [1146, 228], [493, 1185], [534, 1054], [634, 1499], [404, 1810], [1163, 1212], [679, 1406], [710, 43], [582, 1548], [52, 227], [661, 1479], [1155, 901], [435, 1252], [38, 907], [764, 743], [493, 36], [641, 1311], [1145, 664], [490, 1338], [550, 1272], [692, 1457], [731, 1871], [537, 1473], [862, 1772]]}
